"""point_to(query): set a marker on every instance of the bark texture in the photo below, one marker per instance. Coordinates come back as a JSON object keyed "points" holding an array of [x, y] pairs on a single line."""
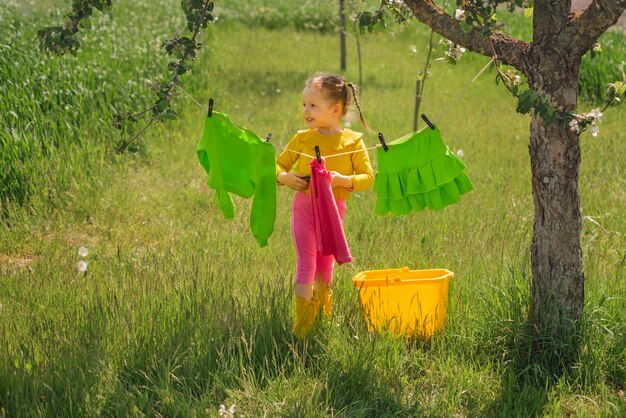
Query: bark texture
{"points": [[552, 67], [556, 252]]}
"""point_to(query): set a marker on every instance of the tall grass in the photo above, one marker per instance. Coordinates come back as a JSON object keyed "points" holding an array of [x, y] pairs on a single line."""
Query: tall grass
{"points": [[604, 67], [180, 311], [56, 112]]}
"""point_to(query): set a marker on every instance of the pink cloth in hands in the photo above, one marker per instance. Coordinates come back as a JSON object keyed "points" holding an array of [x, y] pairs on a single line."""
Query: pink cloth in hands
{"points": [[331, 238]]}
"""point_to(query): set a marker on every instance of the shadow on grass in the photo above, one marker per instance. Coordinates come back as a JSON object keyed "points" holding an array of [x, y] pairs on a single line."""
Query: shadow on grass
{"points": [[589, 360], [168, 348], [204, 343], [351, 381], [357, 371], [535, 363]]}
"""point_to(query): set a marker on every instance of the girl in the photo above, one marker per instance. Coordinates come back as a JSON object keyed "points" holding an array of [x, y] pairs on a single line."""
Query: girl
{"points": [[325, 100]]}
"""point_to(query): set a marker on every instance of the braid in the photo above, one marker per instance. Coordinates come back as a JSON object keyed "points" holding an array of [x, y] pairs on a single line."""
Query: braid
{"points": [[358, 105]]}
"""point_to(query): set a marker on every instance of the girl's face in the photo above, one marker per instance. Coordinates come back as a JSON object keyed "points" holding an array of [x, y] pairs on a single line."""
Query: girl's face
{"points": [[319, 112]]}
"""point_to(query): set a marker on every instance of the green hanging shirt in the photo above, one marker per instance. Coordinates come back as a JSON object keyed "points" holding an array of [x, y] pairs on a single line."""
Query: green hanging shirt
{"points": [[238, 161]]}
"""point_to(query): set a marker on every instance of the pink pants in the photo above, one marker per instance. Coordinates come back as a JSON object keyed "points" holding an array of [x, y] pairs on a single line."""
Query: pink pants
{"points": [[310, 264]]}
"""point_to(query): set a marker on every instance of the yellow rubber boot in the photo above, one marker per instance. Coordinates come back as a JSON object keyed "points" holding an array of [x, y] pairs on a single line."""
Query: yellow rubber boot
{"points": [[324, 294], [306, 312]]}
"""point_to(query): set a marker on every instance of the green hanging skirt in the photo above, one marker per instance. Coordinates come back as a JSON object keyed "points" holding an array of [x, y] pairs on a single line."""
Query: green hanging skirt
{"points": [[418, 172]]}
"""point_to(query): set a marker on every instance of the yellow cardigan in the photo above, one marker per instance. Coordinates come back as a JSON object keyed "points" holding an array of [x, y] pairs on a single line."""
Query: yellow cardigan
{"points": [[356, 165]]}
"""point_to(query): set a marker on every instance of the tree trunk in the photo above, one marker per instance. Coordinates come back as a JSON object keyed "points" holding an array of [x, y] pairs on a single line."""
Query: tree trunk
{"points": [[342, 33], [556, 252]]}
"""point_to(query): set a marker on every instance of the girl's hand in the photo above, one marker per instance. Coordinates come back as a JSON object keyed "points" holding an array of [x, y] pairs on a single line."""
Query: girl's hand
{"points": [[292, 181], [340, 180]]}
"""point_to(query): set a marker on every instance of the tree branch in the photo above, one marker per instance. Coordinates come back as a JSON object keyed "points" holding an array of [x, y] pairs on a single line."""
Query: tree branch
{"points": [[63, 39], [587, 26], [510, 50], [124, 145]]}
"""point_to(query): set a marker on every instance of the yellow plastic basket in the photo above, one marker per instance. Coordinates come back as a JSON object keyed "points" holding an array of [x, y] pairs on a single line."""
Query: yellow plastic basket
{"points": [[408, 302]]}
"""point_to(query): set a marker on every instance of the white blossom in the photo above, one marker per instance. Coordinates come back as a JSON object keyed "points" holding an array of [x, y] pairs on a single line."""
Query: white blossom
{"points": [[81, 266], [227, 413], [413, 49], [573, 126], [459, 14], [83, 251], [596, 114], [460, 153], [594, 130], [455, 52]]}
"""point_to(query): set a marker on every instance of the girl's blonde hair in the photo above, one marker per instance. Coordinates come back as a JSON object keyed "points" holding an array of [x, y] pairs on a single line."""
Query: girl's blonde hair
{"points": [[334, 87]]}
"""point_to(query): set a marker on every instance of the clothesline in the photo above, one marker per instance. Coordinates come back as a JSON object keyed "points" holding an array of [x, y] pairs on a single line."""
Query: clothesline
{"points": [[336, 155], [191, 97], [224, 142]]}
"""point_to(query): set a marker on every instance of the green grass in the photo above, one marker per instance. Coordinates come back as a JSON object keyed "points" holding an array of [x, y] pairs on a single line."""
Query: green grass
{"points": [[608, 66], [302, 15], [180, 311], [59, 108]]}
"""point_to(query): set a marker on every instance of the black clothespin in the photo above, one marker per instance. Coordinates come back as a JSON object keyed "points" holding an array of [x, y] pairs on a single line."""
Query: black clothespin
{"points": [[268, 137], [429, 123], [210, 112], [381, 138], [319, 161]]}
